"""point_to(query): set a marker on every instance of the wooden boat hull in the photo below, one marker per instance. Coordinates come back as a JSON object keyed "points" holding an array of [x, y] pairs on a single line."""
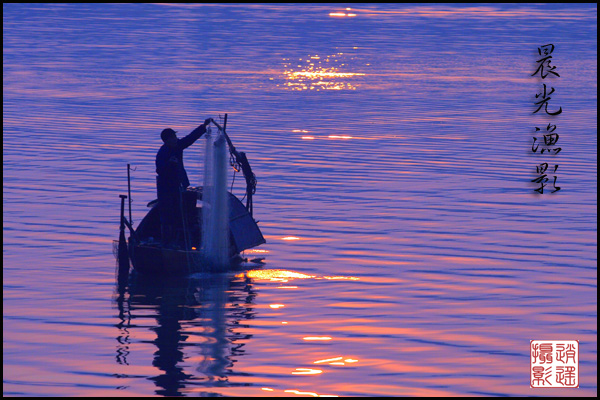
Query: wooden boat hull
{"points": [[149, 256], [156, 260]]}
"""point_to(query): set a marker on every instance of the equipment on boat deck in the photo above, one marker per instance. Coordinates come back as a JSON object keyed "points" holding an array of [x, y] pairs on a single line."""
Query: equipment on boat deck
{"points": [[190, 251]]}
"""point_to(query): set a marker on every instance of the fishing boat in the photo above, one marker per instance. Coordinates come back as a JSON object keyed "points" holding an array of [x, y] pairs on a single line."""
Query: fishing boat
{"points": [[197, 240]]}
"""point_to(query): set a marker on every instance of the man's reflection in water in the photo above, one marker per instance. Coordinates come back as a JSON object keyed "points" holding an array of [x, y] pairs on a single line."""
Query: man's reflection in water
{"points": [[208, 305]]}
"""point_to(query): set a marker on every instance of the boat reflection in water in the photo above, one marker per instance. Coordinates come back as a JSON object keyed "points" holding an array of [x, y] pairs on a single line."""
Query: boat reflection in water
{"points": [[207, 306]]}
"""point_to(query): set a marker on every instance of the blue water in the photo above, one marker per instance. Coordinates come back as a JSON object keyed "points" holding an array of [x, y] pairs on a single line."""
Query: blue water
{"points": [[407, 252]]}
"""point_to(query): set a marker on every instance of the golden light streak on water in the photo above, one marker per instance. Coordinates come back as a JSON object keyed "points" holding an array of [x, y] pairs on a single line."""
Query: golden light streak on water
{"points": [[298, 392], [279, 275], [336, 361], [320, 73], [350, 278], [328, 360], [301, 393], [307, 371], [274, 274], [290, 238], [339, 137], [276, 305], [316, 338], [325, 73], [339, 14]]}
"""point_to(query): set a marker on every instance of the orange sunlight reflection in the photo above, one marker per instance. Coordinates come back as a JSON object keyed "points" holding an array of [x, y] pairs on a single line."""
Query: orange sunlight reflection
{"points": [[318, 73], [316, 338], [304, 393], [280, 275], [306, 371], [298, 392], [336, 361], [339, 137], [341, 14], [328, 360], [341, 278], [274, 274]]}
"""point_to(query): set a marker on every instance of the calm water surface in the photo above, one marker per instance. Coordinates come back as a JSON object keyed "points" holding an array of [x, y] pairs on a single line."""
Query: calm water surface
{"points": [[407, 253]]}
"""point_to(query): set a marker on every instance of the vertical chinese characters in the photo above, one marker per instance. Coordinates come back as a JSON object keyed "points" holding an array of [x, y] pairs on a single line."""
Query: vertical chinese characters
{"points": [[546, 144]]}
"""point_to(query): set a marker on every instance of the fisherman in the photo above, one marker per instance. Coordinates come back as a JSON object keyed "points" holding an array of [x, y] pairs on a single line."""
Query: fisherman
{"points": [[172, 179]]}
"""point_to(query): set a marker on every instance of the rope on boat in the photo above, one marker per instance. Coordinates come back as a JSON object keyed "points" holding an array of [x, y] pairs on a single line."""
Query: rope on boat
{"points": [[241, 163], [233, 180]]}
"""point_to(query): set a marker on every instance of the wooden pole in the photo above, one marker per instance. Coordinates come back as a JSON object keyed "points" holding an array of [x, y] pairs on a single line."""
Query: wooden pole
{"points": [[123, 253], [129, 193]]}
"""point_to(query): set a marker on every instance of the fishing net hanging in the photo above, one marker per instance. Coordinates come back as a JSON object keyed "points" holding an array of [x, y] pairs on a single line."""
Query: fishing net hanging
{"points": [[215, 213]]}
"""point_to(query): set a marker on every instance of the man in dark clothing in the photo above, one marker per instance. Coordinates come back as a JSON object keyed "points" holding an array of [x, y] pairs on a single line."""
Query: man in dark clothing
{"points": [[172, 178]]}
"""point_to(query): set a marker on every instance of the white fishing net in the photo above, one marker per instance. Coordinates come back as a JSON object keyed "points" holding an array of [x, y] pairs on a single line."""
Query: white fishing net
{"points": [[215, 213]]}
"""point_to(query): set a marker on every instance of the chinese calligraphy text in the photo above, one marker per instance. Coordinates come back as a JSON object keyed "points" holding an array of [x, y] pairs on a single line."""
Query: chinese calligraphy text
{"points": [[546, 144]]}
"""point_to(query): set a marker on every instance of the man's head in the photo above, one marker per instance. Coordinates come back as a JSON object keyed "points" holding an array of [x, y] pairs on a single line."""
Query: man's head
{"points": [[169, 137]]}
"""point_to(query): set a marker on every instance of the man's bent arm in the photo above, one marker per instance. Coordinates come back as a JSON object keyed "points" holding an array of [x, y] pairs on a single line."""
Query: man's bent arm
{"points": [[187, 141]]}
